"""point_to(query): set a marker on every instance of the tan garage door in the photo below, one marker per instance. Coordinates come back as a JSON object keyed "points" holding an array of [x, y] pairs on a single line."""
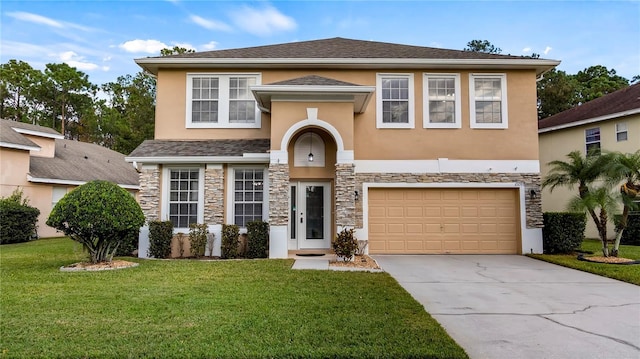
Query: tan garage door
{"points": [[452, 220]]}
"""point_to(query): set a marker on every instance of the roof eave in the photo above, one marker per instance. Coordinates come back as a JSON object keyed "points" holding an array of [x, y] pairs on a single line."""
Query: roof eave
{"points": [[245, 158], [153, 64], [19, 146], [590, 120], [72, 182], [359, 95]]}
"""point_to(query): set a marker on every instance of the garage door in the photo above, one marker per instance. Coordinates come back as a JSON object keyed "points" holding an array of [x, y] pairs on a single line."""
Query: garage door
{"points": [[435, 221]]}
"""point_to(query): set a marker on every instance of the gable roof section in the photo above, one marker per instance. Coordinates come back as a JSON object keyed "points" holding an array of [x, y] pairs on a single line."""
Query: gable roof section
{"points": [[79, 162], [9, 138], [35, 130], [219, 151], [343, 53], [312, 80], [623, 102]]}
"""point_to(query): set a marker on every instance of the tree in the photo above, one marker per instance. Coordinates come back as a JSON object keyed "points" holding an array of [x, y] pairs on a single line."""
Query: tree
{"points": [[557, 92], [625, 167], [584, 171], [18, 82], [482, 46], [597, 81], [98, 214], [176, 50]]}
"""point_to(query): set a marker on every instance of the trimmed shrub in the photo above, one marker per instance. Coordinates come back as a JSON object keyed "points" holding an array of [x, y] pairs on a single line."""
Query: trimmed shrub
{"points": [[160, 235], [563, 232], [198, 239], [258, 242], [631, 235], [18, 220], [230, 233], [129, 243], [345, 244], [98, 214]]}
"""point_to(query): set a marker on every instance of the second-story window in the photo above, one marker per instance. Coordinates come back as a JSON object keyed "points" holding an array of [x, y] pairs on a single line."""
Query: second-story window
{"points": [[621, 131], [395, 101], [442, 101], [488, 100], [592, 140], [221, 101]]}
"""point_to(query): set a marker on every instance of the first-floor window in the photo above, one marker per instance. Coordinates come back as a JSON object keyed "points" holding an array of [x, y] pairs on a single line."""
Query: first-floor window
{"points": [[184, 184], [592, 140], [248, 195]]}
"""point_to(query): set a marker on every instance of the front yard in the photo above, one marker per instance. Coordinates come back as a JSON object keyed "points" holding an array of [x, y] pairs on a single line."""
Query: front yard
{"points": [[626, 273], [188, 308]]}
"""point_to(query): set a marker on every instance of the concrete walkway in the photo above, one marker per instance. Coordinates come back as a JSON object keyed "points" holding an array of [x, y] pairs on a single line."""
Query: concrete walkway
{"points": [[518, 307]]}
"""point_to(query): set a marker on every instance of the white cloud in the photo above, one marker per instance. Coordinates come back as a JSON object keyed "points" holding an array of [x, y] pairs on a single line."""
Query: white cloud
{"points": [[148, 46], [209, 24], [547, 50], [211, 45], [34, 18], [79, 62], [262, 22], [526, 49]]}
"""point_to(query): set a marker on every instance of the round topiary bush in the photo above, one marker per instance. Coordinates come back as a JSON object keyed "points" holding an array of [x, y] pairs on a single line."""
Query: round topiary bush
{"points": [[98, 214]]}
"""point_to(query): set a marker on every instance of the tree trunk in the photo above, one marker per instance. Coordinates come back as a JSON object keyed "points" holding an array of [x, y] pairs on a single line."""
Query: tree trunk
{"points": [[602, 231], [623, 226]]}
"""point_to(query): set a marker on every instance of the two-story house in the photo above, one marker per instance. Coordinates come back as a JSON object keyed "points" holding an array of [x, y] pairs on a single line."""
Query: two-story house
{"points": [[38, 161], [420, 150], [608, 123]]}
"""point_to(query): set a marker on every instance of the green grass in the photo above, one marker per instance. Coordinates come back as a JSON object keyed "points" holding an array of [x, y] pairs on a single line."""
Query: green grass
{"points": [[188, 308], [626, 273]]}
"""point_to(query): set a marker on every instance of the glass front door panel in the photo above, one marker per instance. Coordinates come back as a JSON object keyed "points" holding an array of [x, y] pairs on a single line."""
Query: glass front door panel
{"points": [[293, 215], [315, 212]]}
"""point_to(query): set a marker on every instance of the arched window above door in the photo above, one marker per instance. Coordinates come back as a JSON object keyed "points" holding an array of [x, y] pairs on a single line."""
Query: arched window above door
{"points": [[309, 143]]}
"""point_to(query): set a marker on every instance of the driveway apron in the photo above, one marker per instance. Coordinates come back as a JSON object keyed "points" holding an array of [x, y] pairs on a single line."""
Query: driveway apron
{"points": [[508, 306]]}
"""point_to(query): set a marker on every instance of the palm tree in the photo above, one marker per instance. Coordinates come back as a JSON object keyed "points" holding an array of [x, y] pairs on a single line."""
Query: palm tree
{"points": [[598, 198], [584, 171], [625, 167]]}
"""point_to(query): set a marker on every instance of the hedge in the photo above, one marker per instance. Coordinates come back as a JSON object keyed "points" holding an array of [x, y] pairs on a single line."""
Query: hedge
{"points": [[563, 232], [631, 234], [17, 221], [258, 241], [160, 235]]}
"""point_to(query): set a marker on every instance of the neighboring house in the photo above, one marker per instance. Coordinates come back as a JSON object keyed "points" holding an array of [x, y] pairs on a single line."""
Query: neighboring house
{"points": [[420, 150], [45, 166], [608, 123]]}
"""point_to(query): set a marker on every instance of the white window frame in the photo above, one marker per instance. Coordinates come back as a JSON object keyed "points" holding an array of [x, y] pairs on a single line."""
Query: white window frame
{"points": [[231, 203], [57, 192], [166, 176], [223, 101], [503, 99], [619, 131], [411, 101], [426, 121], [587, 143]]}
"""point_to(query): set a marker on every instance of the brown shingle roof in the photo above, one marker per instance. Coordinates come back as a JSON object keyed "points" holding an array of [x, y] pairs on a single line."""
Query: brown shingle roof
{"points": [[623, 100], [313, 80], [339, 47], [83, 162], [47, 131], [10, 138], [219, 148]]}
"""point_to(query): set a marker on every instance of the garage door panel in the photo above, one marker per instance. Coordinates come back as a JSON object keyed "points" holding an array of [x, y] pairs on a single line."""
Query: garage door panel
{"points": [[429, 220]]}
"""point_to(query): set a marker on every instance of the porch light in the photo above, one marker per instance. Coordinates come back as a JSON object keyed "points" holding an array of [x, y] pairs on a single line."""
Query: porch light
{"points": [[310, 158]]}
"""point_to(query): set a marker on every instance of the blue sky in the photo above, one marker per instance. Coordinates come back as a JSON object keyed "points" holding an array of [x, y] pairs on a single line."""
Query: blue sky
{"points": [[102, 38]]}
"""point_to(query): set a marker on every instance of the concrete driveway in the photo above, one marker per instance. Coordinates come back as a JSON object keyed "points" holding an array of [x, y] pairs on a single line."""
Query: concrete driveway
{"points": [[507, 306]]}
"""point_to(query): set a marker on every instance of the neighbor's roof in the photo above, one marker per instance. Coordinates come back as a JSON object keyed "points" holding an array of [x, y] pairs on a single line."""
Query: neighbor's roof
{"points": [[623, 102], [344, 53], [11, 134], [79, 162], [167, 151]]}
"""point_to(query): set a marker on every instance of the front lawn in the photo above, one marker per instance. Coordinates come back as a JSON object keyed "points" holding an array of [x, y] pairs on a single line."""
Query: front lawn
{"points": [[188, 308], [626, 273]]}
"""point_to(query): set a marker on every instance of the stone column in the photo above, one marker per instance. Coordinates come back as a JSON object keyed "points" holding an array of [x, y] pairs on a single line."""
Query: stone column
{"points": [[345, 196], [149, 194], [214, 205], [278, 210]]}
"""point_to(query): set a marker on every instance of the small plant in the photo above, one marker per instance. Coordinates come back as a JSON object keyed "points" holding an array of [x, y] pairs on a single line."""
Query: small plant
{"points": [[198, 238], [230, 233], [258, 242], [362, 247], [210, 241], [181, 244], [563, 232], [18, 220], [160, 235], [98, 214], [345, 244]]}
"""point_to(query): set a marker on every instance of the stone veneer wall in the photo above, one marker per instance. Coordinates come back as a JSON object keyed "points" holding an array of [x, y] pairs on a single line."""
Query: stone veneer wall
{"points": [[278, 194], [214, 196], [533, 207], [345, 195], [149, 194]]}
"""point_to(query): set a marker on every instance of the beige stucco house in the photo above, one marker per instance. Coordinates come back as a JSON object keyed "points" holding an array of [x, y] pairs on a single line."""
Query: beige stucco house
{"points": [[420, 150], [608, 123], [45, 166]]}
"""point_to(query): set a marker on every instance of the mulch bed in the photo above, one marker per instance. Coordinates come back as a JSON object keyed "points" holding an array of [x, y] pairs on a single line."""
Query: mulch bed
{"points": [[86, 266], [607, 260], [363, 261]]}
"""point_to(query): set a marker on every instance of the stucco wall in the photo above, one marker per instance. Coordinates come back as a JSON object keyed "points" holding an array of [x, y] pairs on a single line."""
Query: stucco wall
{"points": [[557, 144]]}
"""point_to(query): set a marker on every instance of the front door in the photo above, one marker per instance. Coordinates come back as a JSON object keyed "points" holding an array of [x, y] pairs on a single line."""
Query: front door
{"points": [[310, 215]]}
